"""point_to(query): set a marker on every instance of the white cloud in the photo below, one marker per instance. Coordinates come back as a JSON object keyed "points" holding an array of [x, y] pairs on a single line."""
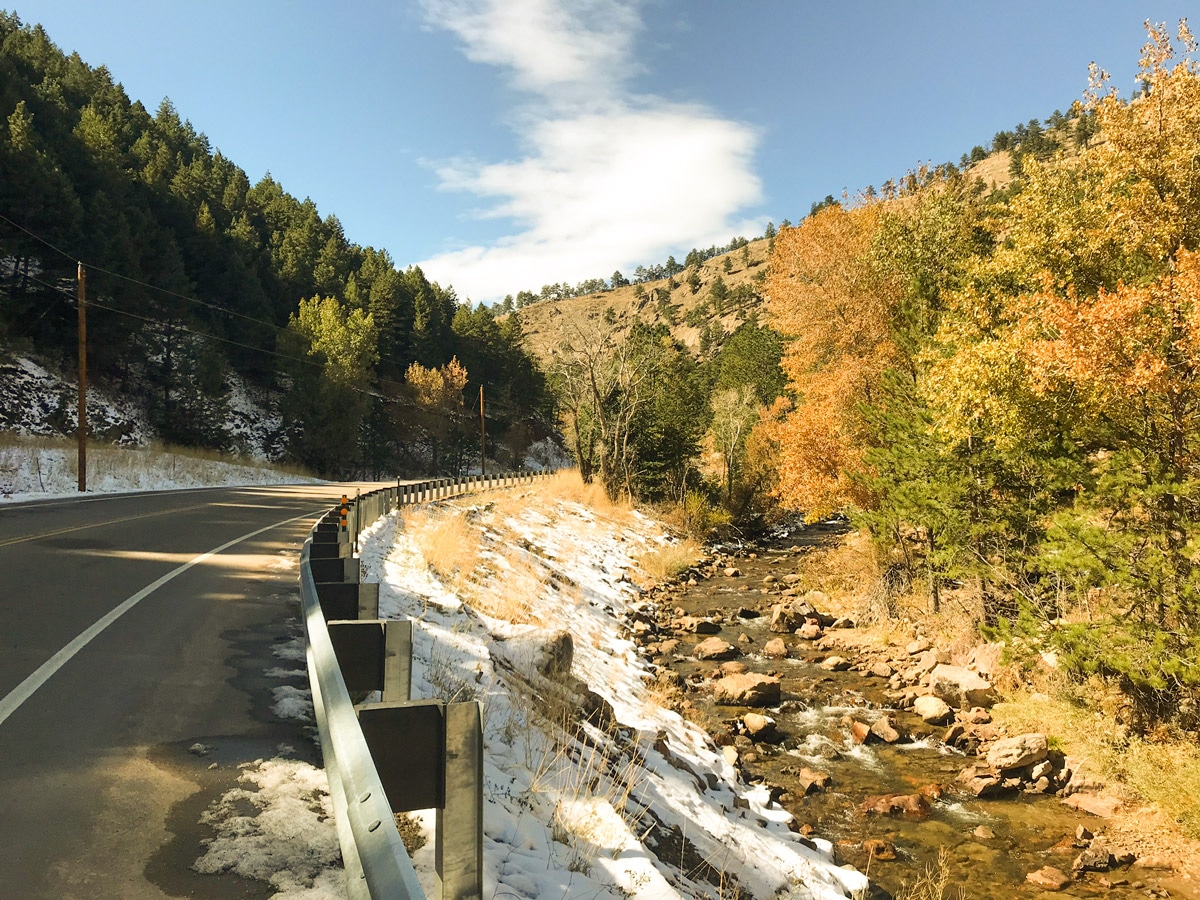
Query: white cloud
{"points": [[610, 179]]}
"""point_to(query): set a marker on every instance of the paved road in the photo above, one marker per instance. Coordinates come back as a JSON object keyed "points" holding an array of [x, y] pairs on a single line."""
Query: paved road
{"points": [[99, 796]]}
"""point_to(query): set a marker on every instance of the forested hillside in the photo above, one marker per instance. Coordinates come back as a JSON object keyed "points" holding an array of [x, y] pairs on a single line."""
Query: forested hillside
{"points": [[1004, 389], [195, 273]]}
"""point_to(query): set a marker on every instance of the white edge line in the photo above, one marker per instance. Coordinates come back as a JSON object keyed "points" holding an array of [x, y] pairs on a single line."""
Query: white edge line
{"points": [[23, 691]]}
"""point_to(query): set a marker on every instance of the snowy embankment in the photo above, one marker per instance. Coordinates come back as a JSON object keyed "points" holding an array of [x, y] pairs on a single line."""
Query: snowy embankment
{"points": [[31, 471], [592, 789], [38, 414]]}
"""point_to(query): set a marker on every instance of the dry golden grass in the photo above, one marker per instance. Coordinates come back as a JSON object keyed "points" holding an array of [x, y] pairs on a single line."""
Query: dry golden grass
{"points": [[669, 560], [452, 546], [448, 543], [568, 486]]}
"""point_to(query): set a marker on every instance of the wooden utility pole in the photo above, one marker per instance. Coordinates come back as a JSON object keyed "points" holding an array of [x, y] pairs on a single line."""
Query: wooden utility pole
{"points": [[82, 430], [482, 437]]}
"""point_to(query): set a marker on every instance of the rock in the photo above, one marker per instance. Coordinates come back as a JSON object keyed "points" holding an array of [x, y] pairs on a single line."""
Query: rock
{"points": [[731, 755], [744, 638], [859, 732], [696, 625], [1014, 752], [666, 648], [842, 622], [976, 715], [875, 848], [835, 664], [812, 780], [809, 631], [733, 572], [783, 621], [1049, 877], [933, 710], [960, 687], [986, 658], [984, 833], [1097, 804], [747, 689], [912, 805], [881, 670], [732, 667], [1039, 786], [1041, 770], [884, 730], [1082, 833], [714, 648], [1096, 858], [926, 662], [953, 734], [775, 649], [759, 727], [769, 579], [980, 782], [920, 645], [745, 612]]}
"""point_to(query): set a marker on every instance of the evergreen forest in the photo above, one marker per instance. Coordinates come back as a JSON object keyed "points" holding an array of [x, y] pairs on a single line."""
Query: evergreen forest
{"points": [[194, 274]]}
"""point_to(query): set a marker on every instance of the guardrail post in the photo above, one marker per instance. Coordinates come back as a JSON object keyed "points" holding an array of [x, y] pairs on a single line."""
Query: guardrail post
{"points": [[459, 842], [397, 660]]}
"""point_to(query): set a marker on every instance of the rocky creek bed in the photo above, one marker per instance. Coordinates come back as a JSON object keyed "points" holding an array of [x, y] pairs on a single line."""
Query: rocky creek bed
{"points": [[889, 750]]}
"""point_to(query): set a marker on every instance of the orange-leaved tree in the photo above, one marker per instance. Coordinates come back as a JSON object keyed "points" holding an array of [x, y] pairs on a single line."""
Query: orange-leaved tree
{"points": [[826, 292]]}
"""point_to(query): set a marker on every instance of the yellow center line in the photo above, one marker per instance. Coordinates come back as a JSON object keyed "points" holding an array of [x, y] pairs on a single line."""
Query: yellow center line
{"points": [[46, 534]]}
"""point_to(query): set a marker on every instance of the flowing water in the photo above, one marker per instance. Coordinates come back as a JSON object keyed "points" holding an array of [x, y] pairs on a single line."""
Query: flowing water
{"points": [[991, 843]]}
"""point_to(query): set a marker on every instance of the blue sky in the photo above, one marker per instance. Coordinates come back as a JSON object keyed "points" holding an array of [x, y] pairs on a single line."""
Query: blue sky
{"points": [[505, 144]]}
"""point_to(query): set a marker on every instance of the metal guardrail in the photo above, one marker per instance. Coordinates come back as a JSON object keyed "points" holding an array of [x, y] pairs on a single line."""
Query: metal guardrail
{"points": [[431, 753]]}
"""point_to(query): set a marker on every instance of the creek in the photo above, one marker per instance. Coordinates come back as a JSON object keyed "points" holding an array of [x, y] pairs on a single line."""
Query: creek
{"points": [[991, 844]]}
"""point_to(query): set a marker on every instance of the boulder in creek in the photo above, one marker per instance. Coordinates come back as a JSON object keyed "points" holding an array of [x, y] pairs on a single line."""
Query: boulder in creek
{"points": [[1015, 752], [810, 631], [775, 649], [961, 688], [732, 667], [714, 648], [747, 689], [733, 572], [1096, 858], [885, 730], [877, 848], [859, 732], [911, 805], [783, 620], [812, 780], [730, 753], [760, 727], [1049, 877], [980, 782], [696, 625], [835, 664], [881, 670], [933, 710]]}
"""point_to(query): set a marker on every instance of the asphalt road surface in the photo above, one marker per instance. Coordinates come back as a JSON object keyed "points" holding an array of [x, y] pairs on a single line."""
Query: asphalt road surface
{"points": [[131, 628]]}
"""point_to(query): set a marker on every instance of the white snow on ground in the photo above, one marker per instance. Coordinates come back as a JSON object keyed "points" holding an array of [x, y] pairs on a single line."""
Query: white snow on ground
{"points": [[576, 808], [288, 840], [279, 828]]}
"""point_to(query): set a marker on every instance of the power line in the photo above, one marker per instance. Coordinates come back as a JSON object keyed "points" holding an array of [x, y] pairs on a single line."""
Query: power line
{"points": [[94, 268], [201, 334]]}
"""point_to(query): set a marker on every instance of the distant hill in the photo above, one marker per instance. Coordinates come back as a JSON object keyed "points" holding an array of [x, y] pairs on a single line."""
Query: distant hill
{"points": [[548, 323]]}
